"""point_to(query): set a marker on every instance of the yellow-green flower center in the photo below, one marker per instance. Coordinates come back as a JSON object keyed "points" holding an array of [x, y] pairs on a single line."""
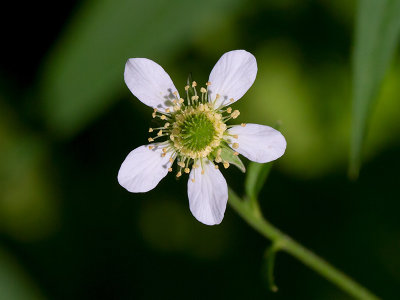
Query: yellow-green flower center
{"points": [[197, 131]]}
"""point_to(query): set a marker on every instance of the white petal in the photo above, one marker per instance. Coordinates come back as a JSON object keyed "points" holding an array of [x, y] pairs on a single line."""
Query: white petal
{"points": [[208, 194], [149, 82], [259, 143], [232, 76], [143, 169]]}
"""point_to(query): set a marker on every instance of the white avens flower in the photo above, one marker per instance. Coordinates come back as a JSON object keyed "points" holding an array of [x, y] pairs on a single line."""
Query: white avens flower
{"points": [[193, 132]]}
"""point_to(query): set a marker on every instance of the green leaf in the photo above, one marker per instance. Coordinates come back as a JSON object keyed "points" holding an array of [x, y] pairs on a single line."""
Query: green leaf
{"points": [[255, 179], [377, 34], [84, 73], [227, 155]]}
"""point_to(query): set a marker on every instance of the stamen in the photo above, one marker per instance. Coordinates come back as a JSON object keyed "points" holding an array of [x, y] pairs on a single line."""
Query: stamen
{"points": [[150, 139], [150, 129], [151, 147], [159, 133], [208, 83], [187, 170], [203, 90], [236, 153], [235, 145], [179, 174], [226, 165], [194, 84], [243, 124], [169, 169], [235, 114], [229, 110]]}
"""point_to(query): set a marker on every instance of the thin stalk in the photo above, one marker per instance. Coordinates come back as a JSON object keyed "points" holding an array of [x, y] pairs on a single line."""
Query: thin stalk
{"points": [[287, 244]]}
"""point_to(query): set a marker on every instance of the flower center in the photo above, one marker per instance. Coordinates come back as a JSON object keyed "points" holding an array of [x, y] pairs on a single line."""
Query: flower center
{"points": [[197, 130]]}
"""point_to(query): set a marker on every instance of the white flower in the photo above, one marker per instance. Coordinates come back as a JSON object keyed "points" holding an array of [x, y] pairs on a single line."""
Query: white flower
{"points": [[194, 132]]}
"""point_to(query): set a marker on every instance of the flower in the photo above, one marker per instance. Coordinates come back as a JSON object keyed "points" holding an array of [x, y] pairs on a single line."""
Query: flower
{"points": [[194, 133]]}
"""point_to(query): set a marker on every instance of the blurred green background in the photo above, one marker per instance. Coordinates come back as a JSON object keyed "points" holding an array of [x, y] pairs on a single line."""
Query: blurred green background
{"points": [[67, 121]]}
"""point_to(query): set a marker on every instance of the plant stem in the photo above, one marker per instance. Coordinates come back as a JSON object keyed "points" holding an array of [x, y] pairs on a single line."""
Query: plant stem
{"points": [[287, 244]]}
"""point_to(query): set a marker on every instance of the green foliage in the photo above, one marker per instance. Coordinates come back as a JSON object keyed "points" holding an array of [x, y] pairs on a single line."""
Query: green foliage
{"points": [[84, 74], [14, 282], [256, 176], [376, 37]]}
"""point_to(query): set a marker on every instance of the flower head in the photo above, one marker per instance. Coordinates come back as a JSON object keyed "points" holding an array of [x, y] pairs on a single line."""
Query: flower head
{"points": [[193, 132]]}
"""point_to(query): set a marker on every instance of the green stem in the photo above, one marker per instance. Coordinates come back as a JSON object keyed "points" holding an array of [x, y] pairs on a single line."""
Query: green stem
{"points": [[290, 246]]}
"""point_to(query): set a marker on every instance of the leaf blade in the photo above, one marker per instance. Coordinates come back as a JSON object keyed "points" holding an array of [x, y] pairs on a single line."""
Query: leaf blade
{"points": [[376, 36]]}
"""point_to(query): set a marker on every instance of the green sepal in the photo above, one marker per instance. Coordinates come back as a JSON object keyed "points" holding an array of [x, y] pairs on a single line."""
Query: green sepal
{"points": [[227, 155]]}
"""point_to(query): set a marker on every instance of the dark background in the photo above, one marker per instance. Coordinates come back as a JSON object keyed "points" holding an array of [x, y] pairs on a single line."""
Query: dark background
{"points": [[67, 121]]}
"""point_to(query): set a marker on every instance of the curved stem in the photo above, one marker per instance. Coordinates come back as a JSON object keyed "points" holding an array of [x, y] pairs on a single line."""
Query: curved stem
{"points": [[255, 219]]}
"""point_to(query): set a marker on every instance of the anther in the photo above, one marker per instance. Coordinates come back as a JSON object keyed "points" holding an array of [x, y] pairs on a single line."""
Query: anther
{"points": [[166, 125], [195, 98], [164, 150], [217, 96], [194, 83], [192, 179], [163, 117], [167, 110], [159, 133], [150, 140], [187, 88], [235, 136], [208, 83], [229, 110], [187, 170], [181, 164], [235, 114], [226, 165], [163, 154], [243, 124], [151, 147], [171, 160], [179, 174], [203, 90], [150, 129], [235, 145], [202, 172], [181, 101], [153, 115], [216, 166], [175, 93], [231, 100], [169, 169]]}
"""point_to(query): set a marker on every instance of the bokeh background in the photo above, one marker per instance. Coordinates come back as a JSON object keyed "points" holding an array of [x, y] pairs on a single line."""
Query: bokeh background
{"points": [[67, 121]]}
